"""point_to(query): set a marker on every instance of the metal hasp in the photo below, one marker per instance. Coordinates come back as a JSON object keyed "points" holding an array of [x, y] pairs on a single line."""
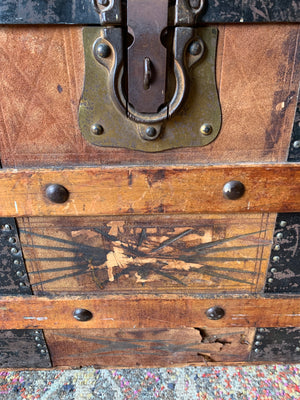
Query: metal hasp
{"points": [[149, 77]]}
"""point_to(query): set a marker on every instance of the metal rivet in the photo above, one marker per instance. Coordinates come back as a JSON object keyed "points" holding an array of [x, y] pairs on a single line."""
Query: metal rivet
{"points": [[270, 280], [102, 50], [283, 224], [276, 247], [257, 343], [43, 351], [97, 129], [279, 235], [12, 240], [104, 3], [196, 48], [57, 193], [37, 339], [256, 350], [14, 250], [151, 132], [297, 348], [37, 332], [81, 314], [261, 330], [7, 227], [259, 337], [19, 273], [39, 345], [273, 270], [215, 313], [233, 190], [276, 258], [206, 129], [296, 144], [17, 262], [22, 284]]}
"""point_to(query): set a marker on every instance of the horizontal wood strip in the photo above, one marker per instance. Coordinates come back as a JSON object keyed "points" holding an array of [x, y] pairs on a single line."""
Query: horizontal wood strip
{"points": [[148, 190], [147, 312]]}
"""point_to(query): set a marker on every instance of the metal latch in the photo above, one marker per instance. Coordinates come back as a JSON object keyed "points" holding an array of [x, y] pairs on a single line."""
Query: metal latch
{"points": [[141, 65]]}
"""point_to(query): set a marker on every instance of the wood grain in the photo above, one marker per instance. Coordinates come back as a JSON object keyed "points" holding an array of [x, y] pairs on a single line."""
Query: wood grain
{"points": [[42, 73], [147, 190], [141, 311], [146, 254], [133, 348]]}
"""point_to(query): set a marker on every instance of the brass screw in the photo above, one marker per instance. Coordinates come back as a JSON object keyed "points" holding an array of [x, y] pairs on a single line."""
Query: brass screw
{"points": [[279, 235], [277, 247], [151, 132], [283, 224], [196, 48], [276, 258], [97, 129], [102, 50], [206, 129]]}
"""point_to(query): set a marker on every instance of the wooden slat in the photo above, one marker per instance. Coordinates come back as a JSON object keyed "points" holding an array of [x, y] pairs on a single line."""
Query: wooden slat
{"points": [[166, 311], [132, 348], [148, 190]]}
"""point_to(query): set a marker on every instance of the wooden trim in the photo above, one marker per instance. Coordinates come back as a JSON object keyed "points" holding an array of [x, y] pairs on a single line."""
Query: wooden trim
{"points": [[33, 312], [148, 190]]}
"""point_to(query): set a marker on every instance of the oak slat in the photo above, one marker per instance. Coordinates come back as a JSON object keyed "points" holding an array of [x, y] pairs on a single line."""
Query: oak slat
{"points": [[34, 312], [132, 348], [148, 190]]}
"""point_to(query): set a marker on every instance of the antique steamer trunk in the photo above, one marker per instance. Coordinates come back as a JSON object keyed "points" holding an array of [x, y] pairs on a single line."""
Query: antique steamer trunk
{"points": [[150, 182]]}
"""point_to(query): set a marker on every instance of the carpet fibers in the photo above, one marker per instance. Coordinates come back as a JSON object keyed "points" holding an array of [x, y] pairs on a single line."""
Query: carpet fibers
{"points": [[204, 383]]}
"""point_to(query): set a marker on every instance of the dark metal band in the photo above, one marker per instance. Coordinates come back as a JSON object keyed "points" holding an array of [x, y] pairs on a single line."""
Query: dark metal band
{"points": [[14, 279], [82, 12], [283, 270], [294, 151], [19, 348], [276, 345]]}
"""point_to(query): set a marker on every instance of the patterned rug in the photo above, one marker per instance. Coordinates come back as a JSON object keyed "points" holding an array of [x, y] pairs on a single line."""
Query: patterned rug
{"points": [[199, 383]]}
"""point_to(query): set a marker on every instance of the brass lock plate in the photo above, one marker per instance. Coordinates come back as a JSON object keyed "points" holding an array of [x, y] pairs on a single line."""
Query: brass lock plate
{"points": [[196, 123]]}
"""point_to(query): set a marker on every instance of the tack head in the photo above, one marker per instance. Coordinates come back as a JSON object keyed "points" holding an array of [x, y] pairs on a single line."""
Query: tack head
{"points": [[57, 193], [233, 190], [83, 315], [215, 313]]}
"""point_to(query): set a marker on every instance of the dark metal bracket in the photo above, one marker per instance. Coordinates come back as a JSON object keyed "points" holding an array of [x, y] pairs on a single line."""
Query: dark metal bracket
{"points": [[14, 279], [283, 274], [83, 12], [19, 348], [276, 345]]}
